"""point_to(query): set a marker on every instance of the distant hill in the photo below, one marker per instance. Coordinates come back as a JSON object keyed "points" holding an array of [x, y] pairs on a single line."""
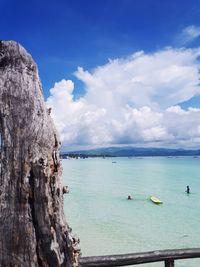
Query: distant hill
{"points": [[136, 151]]}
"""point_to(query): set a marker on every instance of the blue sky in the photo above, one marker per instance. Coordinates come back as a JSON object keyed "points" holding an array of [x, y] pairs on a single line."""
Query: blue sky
{"points": [[113, 66], [62, 35]]}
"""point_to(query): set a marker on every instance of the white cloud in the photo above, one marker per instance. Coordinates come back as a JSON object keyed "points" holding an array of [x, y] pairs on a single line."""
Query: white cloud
{"points": [[189, 34], [160, 79], [131, 101]]}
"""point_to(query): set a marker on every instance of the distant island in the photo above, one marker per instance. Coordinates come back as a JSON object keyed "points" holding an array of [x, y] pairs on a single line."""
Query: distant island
{"points": [[131, 152]]}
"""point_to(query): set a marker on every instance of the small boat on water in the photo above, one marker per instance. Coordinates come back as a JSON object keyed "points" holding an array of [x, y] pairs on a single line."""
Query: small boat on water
{"points": [[155, 200]]}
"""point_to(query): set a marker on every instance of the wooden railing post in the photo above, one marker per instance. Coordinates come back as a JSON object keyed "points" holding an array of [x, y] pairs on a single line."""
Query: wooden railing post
{"points": [[169, 263]]}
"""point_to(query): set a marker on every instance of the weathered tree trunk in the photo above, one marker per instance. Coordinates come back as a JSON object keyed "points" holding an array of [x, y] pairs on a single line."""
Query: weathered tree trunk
{"points": [[33, 230]]}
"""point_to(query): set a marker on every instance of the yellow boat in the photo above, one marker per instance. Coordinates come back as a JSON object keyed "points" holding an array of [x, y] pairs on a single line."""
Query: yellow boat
{"points": [[155, 200]]}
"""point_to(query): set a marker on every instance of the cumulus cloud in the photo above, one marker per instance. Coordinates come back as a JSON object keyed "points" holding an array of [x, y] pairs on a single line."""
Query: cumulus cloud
{"points": [[132, 101], [189, 34]]}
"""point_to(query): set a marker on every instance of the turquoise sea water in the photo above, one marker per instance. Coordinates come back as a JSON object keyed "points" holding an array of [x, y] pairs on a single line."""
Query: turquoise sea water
{"points": [[98, 211]]}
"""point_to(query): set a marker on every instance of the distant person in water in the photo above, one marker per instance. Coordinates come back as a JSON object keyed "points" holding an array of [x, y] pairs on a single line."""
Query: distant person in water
{"points": [[187, 189], [129, 197]]}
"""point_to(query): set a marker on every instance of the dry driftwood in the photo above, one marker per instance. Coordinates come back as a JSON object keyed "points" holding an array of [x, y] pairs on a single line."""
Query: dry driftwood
{"points": [[33, 230]]}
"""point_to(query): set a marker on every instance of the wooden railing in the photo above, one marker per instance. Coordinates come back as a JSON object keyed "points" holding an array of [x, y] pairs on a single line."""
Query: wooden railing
{"points": [[167, 256]]}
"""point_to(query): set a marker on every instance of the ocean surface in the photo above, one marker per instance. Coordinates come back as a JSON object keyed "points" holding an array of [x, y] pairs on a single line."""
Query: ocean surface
{"points": [[98, 211]]}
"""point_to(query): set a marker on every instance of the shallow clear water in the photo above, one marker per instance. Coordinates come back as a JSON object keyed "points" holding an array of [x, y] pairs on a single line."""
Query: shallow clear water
{"points": [[107, 223]]}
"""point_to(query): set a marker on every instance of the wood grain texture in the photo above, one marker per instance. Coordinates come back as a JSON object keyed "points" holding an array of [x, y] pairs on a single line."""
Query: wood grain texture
{"points": [[33, 230]]}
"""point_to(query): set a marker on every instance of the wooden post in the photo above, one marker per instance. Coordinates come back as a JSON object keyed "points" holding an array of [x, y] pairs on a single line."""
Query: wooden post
{"points": [[169, 263], [33, 229]]}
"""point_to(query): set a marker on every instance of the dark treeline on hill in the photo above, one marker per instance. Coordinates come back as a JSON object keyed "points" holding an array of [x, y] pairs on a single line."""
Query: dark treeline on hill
{"points": [[131, 152]]}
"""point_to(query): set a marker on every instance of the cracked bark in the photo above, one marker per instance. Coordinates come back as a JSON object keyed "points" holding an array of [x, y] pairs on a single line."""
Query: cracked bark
{"points": [[33, 230]]}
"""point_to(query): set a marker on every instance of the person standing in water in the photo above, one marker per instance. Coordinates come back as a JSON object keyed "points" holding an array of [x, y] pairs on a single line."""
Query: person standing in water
{"points": [[187, 189]]}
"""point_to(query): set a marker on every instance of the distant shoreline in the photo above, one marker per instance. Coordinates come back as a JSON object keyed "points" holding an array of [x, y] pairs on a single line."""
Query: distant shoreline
{"points": [[131, 152], [85, 156]]}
